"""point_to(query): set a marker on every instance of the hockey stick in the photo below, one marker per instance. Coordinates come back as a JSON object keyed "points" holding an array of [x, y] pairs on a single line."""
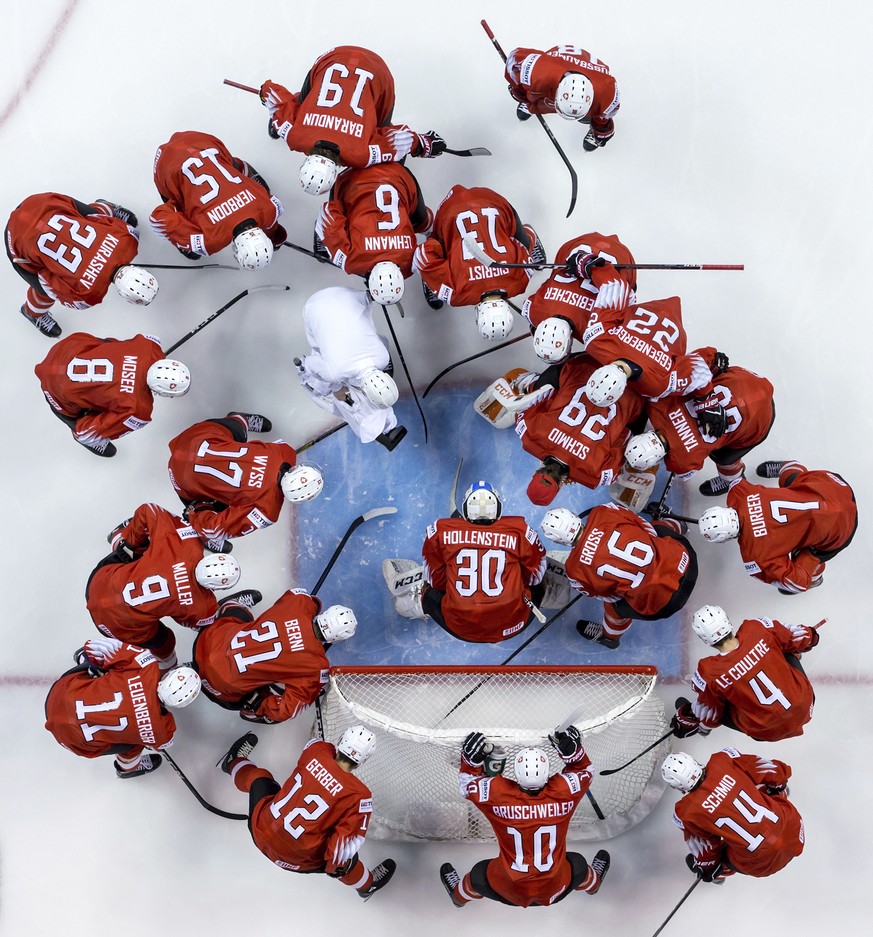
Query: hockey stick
{"points": [[355, 524], [405, 370], [478, 252], [574, 181], [654, 744], [656, 508], [453, 495], [218, 312], [144, 263], [478, 354], [203, 803], [309, 253], [697, 881], [324, 435]]}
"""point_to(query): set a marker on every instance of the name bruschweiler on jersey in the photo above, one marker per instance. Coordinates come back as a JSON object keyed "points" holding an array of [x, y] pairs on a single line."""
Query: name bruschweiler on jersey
{"points": [[534, 811]]}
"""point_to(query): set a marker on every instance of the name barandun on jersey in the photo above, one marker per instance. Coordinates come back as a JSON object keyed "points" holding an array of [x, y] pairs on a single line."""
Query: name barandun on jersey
{"points": [[481, 538], [534, 811], [340, 124]]}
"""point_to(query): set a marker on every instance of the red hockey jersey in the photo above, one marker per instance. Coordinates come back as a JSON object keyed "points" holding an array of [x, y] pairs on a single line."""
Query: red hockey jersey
{"points": [[450, 270], [486, 571]]}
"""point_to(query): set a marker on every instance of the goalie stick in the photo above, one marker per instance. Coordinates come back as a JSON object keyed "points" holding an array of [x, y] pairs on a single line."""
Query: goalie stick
{"points": [[355, 524], [478, 354], [203, 803], [405, 368], [453, 495]]}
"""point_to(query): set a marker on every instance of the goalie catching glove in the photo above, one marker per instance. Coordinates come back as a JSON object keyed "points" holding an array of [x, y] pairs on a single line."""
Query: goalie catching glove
{"points": [[568, 744]]}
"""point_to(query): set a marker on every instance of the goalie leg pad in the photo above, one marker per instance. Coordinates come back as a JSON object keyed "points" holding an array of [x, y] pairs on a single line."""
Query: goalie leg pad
{"points": [[401, 575], [557, 587]]}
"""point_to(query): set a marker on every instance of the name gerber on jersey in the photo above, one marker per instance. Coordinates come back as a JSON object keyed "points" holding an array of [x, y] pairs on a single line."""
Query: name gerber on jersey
{"points": [[127, 383], [324, 777], [484, 538], [534, 811], [229, 206], [99, 261], [756, 515], [589, 547], [141, 711], [341, 124], [744, 665]]}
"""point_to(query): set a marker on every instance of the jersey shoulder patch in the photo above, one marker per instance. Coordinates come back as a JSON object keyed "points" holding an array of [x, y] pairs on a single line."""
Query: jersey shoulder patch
{"points": [[732, 752], [698, 682]]}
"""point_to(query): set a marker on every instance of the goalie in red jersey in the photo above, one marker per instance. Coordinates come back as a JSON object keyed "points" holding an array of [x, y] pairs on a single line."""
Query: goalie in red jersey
{"points": [[639, 570], [115, 702], [451, 274], [735, 815], [102, 388], [317, 820], [481, 574], [212, 198], [755, 683], [72, 252], [569, 81], [231, 485], [786, 534], [342, 117], [271, 668], [530, 817]]}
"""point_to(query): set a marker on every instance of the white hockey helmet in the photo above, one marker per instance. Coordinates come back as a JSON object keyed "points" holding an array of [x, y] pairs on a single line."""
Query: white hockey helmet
{"points": [[494, 317], [719, 524], [532, 769], [606, 385], [481, 504], [711, 624], [168, 378], [135, 284], [681, 771], [179, 687], [561, 525], [574, 96], [379, 388], [357, 744], [318, 173], [302, 483], [252, 249], [337, 623], [644, 451], [553, 338], [385, 283], [217, 571]]}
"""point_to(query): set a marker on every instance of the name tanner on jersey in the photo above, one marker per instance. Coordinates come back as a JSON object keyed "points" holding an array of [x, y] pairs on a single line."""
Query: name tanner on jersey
{"points": [[686, 434]]}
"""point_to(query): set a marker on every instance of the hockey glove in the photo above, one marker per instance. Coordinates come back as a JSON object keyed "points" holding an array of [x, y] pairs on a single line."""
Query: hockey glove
{"points": [[706, 874], [475, 748], [594, 139], [431, 144], [568, 744], [712, 421], [774, 790], [720, 364], [582, 263], [684, 723]]}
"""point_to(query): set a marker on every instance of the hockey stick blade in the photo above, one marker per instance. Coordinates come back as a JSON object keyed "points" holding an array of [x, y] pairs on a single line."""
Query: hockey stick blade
{"points": [[473, 151], [405, 371], [453, 495], [645, 751], [377, 512], [203, 803], [479, 354]]}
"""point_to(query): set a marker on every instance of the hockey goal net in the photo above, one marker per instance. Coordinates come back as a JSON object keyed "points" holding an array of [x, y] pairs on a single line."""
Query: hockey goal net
{"points": [[421, 715]]}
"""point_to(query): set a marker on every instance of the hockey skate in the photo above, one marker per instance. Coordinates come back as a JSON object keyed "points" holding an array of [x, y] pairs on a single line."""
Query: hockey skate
{"points": [[770, 469], [714, 487], [148, 763], [593, 631], [430, 297], [120, 212], [408, 604], [600, 865], [381, 877], [44, 323], [391, 439], [450, 878], [522, 112], [255, 422], [102, 447], [247, 597], [241, 748]]}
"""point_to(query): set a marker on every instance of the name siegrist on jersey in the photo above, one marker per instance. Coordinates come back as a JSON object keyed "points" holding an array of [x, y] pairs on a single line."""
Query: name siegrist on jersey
{"points": [[534, 811], [340, 124], [481, 538]]}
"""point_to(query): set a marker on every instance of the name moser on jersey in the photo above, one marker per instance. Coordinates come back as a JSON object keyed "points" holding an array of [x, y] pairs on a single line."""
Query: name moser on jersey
{"points": [[480, 575]]}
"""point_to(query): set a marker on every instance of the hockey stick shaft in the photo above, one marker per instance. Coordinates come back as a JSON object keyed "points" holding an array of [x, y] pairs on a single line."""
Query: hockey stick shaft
{"points": [[304, 250], [187, 266], [236, 84], [697, 881], [574, 181], [218, 312], [479, 354], [203, 803], [405, 370], [355, 524], [645, 751], [318, 439], [453, 495]]}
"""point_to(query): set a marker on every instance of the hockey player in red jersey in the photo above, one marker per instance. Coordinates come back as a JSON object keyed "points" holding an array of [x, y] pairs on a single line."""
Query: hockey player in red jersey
{"points": [[735, 815], [102, 388], [231, 485], [211, 199], [639, 570], [317, 820], [530, 818], [481, 572], [342, 117], [725, 425], [240, 658], [786, 534], [755, 683], [72, 252], [568, 81], [451, 274], [561, 307], [157, 569], [115, 702]]}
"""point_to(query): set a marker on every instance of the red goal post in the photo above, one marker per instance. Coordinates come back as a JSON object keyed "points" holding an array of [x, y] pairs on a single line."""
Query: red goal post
{"points": [[421, 715]]}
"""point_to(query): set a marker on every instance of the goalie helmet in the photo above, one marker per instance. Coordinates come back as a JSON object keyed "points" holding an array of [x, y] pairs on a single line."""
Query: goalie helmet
{"points": [[606, 385], [217, 571], [379, 388], [532, 769], [681, 771], [318, 173], [252, 249], [711, 624], [645, 451], [561, 525], [385, 283], [168, 378], [179, 687], [553, 338], [719, 524], [494, 317], [574, 96], [135, 284], [482, 504], [357, 744], [302, 483], [337, 623]]}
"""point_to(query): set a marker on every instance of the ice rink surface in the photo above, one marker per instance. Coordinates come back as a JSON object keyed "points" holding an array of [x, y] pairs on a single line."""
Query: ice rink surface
{"points": [[743, 137]]}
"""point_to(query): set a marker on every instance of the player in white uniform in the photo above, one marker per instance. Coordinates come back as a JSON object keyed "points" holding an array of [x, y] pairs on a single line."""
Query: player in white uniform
{"points": [[346, 371]]}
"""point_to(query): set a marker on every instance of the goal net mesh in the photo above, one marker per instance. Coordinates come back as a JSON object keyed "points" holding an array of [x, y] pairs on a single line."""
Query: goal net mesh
{"points": [[421, 715]]}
